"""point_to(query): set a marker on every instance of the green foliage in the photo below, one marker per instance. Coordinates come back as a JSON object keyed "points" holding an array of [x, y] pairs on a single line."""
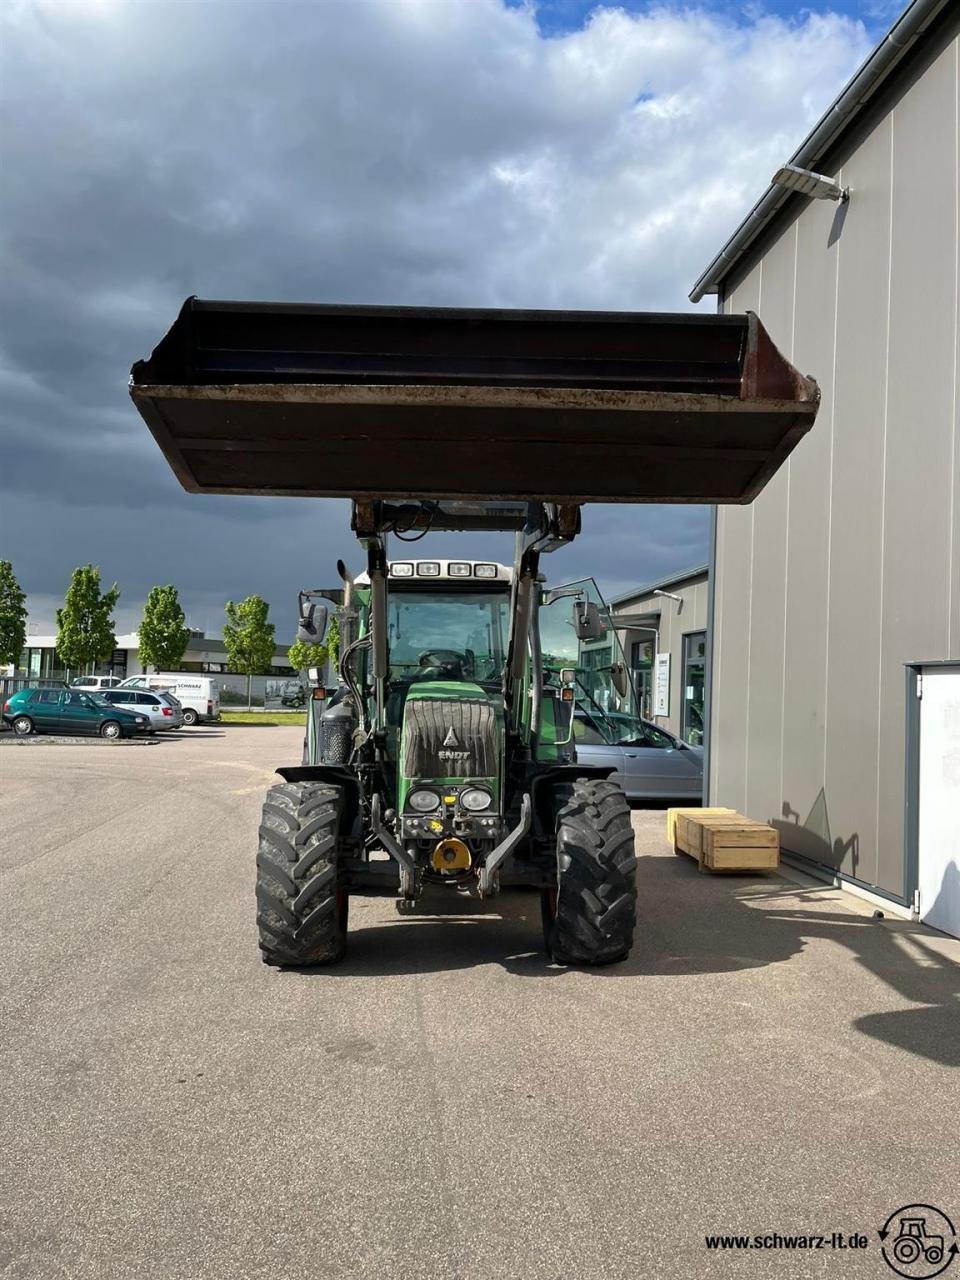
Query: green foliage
{"points": [[13, 615], [163, 632], [248, 636], [333, 641], [85, 629], [302, 656]]}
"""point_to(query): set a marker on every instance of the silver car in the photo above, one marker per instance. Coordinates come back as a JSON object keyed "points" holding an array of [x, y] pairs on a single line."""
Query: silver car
{"points": [[650, 763], [163, 711]]}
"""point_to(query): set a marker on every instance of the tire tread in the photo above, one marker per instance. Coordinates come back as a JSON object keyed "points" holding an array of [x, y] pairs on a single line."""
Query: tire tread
{"points": [[298, 908], [596, 897]]}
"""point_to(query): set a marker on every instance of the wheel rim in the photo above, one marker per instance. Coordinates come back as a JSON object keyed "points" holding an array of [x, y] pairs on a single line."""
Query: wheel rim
{"points": [[907, 1251], [22, 726], [111, 731]]}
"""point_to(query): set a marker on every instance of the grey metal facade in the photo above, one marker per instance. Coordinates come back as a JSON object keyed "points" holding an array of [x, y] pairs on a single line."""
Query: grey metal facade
{"points": [[848, 565]]}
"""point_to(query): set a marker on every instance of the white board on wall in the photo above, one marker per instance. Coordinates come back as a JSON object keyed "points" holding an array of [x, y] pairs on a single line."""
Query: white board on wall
{"points": [[661, 685]]}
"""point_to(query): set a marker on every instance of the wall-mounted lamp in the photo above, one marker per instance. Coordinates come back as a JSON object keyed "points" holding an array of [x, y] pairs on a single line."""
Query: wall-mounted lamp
{"points": [[668, 595], [808, 183]]}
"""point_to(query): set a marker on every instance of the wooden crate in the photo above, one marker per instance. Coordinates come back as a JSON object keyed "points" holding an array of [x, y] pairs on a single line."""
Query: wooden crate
{"points": [[724, 840], [674, 814]]}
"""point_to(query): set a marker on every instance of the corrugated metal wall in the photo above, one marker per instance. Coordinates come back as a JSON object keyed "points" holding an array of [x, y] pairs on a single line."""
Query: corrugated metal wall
{"points": [[848, 565]]}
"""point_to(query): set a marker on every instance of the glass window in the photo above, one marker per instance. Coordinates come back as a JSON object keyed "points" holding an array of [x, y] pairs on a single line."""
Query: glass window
{"points": [[657, 738], [694, 674], [596, 662], [461, 636], [587, 733], [50, 697]]}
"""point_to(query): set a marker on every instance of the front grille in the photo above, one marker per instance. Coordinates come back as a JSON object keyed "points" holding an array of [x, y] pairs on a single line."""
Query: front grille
{"points": [[449, 739]]}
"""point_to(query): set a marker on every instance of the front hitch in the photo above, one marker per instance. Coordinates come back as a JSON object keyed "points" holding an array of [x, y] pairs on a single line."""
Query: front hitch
{"points": [[488, 878]]}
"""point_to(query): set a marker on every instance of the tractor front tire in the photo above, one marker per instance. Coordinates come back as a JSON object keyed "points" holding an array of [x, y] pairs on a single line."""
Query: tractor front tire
{"points": [[590, 917], [301, 910]]}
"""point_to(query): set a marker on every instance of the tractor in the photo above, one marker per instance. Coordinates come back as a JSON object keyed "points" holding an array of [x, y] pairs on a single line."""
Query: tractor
{"points": [[912, 1241], [444, 760]]}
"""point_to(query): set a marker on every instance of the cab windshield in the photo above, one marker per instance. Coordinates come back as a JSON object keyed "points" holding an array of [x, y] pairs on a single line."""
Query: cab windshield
{"points": [[448, 635]]}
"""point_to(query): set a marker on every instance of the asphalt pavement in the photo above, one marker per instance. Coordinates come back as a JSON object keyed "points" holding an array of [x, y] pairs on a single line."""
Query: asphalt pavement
{"points": [[444, 1104]]}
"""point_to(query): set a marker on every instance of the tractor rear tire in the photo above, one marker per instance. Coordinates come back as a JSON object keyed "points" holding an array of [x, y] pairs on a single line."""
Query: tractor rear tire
{"points": [[301, 909], [590, 917]]}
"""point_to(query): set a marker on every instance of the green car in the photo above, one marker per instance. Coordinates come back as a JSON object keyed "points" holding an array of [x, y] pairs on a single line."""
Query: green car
{"points": [[69, 711]]}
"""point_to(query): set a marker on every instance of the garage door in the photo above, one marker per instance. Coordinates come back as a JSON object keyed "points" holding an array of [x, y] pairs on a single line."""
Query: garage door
{"points": [[939, 799]]}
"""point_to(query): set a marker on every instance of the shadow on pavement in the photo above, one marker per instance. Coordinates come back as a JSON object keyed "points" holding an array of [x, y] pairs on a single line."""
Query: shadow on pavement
{"points": [[688, 924]]}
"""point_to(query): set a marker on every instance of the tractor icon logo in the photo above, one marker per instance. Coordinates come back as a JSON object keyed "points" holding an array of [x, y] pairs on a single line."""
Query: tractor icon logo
{"points": [[918, 1241]]}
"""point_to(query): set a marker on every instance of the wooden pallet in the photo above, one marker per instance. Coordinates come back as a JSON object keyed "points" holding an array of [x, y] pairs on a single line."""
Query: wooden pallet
{"points": [[723, 840]]}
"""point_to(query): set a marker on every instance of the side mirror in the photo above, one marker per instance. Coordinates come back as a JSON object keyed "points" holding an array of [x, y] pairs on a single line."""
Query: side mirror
{"points": [[620, 679], [587, 622], [313, 623]]}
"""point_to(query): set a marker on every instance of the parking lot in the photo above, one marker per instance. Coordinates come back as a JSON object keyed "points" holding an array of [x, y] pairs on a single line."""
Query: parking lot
{"points": [[443, 1103]]}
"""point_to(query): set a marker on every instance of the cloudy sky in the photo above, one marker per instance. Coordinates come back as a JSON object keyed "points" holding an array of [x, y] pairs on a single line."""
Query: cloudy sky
{"points": [[549, 153]]}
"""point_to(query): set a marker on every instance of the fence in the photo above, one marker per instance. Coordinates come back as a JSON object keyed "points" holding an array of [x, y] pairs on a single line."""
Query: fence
{"points": [[13, 684]]}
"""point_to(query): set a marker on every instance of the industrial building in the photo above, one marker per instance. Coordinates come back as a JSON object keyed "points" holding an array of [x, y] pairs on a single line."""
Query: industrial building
{"points": [[663, 630], [835, 620], [39, 661]]}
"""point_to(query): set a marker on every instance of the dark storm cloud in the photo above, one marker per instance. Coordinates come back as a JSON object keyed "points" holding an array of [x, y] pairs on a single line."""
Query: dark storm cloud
{"points": [[431, 151]]}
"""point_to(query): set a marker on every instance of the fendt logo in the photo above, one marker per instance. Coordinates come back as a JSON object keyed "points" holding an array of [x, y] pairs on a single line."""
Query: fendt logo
{"points": [[451, 749]]}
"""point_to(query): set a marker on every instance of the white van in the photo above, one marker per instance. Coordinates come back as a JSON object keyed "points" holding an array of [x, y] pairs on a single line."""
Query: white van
{"points": [[95, 683], [198, 695]]}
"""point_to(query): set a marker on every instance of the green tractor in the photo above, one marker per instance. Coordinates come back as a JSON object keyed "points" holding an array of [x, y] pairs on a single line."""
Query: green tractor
{"points": [[445, 756], [444, 761]]}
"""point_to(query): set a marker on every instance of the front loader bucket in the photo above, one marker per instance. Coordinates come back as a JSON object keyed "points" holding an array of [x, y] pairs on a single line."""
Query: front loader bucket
{"points": [[403, 402]]}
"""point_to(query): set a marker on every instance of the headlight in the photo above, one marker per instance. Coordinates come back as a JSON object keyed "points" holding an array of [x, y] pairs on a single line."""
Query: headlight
{"points": [[475, 800], [423, 801]]}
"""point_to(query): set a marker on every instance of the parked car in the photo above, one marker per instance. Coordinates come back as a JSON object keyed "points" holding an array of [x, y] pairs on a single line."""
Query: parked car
{"points": [[198, 695], [93, 684], [650, 763], [162, 709], [69, 711]]}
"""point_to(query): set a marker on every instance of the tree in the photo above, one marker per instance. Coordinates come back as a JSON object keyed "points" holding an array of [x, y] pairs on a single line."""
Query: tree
{"points": [[248, 638], [13, 615], [302, 656], [333, 641], [84, 625], [163, 633]]}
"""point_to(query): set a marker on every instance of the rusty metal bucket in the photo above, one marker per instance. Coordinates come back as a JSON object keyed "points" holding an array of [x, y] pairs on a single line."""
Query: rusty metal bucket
{"points": [[403, 402]]}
